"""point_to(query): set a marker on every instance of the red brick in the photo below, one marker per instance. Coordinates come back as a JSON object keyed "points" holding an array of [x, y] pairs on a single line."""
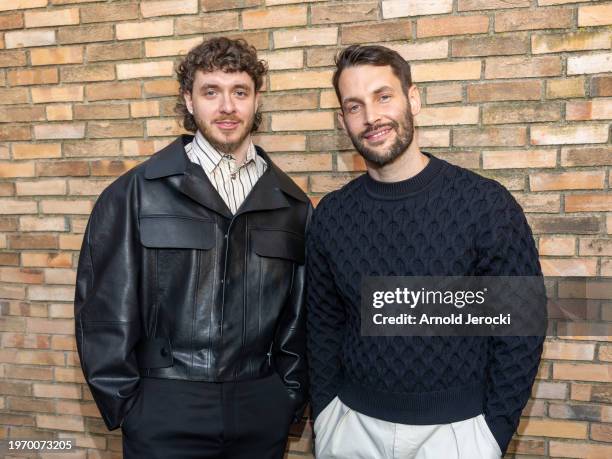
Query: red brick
{"points": [[33, 241], [490, 136], [557, 245], [37, 259], [41, 187], [304, 162], [586, 156], [601, 86], [12, 58], [62, 168], [401, 8], [275, 17], [21, 114], [368, 33], [522, 67], [101, 111], [583, 372], [210, 23], [13, 96], [86, 73], [560, 135], [57, 56], [486, 46], [506, 90], [521, 113], [85, 34], [589, 63], [113, 91], [215, 5], [11, 21], [345, 12], [588, 203], [599, 247], [550, 203], [565, 88], [564, 224], [452, 25], [569, 267], [160, 88], [595, 109], [575, 180], [168, 7], [112, 168], [470, 5], [88, 148], [594, 15], [511, 159], [109, 13], [113, 51], [305, 37], [32, 76], [109, 129], [57, 17], [541, 18]]}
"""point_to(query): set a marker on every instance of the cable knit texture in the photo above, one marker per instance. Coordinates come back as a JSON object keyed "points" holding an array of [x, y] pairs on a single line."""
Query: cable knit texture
{"points": [[445, 221]]}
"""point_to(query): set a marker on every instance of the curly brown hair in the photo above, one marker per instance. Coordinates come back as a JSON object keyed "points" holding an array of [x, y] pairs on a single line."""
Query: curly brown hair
{"points": [[220, 53]]}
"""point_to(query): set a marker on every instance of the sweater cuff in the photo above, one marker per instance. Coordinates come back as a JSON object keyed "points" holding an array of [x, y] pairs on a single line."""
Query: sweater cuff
{"points": [[501, 430]]}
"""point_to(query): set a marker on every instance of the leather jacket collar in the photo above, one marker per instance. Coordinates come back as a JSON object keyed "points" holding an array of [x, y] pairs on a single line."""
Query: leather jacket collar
{"points": [[190, 179]]}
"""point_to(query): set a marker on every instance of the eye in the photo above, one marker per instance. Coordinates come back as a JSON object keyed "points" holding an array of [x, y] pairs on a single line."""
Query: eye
{"points": [[241, 93], [385, 97], [353, 108], [210, 92]]}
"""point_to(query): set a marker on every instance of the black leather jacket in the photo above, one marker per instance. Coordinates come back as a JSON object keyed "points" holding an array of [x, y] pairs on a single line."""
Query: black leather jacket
{"points": [[171, 285]]}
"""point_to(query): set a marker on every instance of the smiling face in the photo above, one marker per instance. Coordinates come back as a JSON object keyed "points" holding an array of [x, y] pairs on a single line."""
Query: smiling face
{"points": [[224, 105], [375, 112]]}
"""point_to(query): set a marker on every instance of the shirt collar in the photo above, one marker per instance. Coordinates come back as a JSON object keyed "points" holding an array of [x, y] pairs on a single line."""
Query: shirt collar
{"points": [[211, 157]]}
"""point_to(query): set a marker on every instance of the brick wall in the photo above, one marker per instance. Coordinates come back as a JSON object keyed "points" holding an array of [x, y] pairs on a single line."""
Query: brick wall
{"points": [[518, 90]]}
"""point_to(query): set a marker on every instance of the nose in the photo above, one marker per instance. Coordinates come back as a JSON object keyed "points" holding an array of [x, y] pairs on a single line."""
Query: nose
{"points": [[227, 105], [371, 115]]}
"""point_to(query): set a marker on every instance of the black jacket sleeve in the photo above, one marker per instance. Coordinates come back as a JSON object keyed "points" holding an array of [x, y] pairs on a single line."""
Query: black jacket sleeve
{"points": [[106, 306], [506, 248], [289, 348]]}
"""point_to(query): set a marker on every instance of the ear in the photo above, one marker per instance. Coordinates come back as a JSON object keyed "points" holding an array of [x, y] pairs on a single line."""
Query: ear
{"points": [[414, 99], [188, 101], [340, 116]]}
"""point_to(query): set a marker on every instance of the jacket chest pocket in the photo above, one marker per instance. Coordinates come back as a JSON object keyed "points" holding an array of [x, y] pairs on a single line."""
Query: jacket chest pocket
{"points": [[176, 232], [179, 256], [278, 244]]}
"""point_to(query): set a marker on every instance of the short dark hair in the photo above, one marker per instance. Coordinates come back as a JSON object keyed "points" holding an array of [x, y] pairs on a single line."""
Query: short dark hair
{"points": [[219, 53], [372, 55]]}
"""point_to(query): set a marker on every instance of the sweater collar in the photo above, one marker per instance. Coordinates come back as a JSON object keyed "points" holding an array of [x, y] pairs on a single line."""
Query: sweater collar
{"points": [[415, 184]]}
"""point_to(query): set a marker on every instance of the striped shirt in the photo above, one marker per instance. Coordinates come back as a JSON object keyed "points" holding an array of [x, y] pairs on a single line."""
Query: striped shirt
{"points": [[233, 182]]}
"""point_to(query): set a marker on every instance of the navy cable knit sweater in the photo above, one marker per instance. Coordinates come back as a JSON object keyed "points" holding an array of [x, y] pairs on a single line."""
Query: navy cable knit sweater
{"points": [[445, 221]]}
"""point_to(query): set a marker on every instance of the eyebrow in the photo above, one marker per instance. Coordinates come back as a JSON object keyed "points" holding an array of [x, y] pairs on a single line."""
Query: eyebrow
{"points": [[216, 86], [377, 91]]}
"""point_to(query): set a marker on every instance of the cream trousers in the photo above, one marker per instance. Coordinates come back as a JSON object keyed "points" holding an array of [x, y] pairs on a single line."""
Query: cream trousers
{"points": [[342, 433]]}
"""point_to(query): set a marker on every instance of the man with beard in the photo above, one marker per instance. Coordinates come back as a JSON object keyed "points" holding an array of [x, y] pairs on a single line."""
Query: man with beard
{"points": [[411, 214], [189, 306]]}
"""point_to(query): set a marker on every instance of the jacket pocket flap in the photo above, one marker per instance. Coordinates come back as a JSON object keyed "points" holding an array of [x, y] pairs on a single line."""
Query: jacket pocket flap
{"points": [[278, 244], [177, 232]]}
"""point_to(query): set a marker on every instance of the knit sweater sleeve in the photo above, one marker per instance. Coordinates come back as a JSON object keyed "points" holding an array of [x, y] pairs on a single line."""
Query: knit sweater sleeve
{"points": [[506, 248], [325, 320]]}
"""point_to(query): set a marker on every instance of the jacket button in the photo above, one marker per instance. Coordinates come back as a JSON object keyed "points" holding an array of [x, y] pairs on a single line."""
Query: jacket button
{"points": [[163, 352], [225, 236]]}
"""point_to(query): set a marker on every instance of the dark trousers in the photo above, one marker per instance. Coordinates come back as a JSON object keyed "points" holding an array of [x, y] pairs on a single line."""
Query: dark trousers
{"points": [[177, 419]]}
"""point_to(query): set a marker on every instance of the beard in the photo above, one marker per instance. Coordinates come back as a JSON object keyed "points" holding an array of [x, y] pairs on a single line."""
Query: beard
{"points": [[217, 142], [404, 131]]}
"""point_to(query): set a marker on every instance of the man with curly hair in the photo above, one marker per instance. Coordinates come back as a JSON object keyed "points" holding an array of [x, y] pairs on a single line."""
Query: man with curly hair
{"points": [[189, 301]]}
